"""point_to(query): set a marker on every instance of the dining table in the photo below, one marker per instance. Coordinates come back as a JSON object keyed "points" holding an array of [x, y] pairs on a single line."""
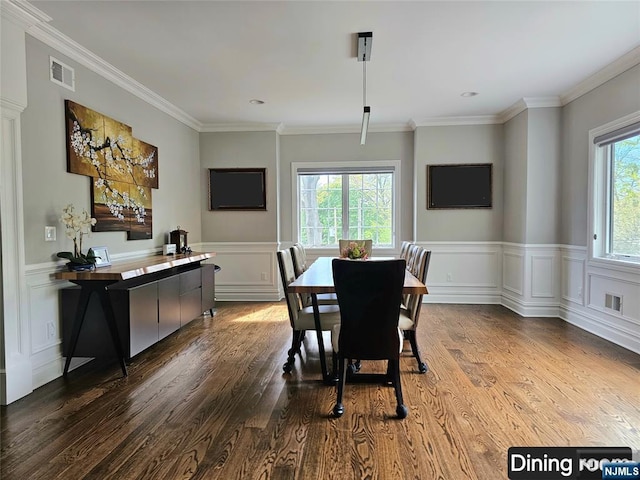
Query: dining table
{"points": [[318, 278]]}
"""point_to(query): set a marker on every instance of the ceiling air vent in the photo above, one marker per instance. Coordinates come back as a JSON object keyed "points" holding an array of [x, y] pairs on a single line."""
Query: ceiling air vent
{"points": [[62, 74]]}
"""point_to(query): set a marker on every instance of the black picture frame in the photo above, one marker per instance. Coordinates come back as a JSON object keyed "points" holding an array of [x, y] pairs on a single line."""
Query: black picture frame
{"points": [[460, 186], [237, 189]]}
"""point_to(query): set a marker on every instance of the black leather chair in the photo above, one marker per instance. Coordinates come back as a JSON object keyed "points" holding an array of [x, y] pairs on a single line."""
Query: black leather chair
{"points": [[369, 295]]}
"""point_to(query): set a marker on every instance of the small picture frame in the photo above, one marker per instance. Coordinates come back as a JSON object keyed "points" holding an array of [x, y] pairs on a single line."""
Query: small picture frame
{"points": [[102, 256]]}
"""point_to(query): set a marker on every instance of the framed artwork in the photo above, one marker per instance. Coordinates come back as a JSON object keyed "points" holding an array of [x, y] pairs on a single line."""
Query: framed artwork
{"points": [[458, 186], [237, 189], [123, 170], [102, 256]]}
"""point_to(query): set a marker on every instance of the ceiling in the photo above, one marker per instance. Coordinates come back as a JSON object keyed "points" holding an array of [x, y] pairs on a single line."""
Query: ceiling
{"points": [[210, 58]]}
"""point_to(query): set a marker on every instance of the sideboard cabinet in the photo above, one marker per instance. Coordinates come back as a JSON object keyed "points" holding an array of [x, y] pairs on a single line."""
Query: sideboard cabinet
{"points": [[144, 309]]}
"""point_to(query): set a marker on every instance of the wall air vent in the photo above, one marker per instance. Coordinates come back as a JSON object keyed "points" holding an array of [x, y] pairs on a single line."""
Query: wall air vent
{"points": [[613, 302], [62, 74]]}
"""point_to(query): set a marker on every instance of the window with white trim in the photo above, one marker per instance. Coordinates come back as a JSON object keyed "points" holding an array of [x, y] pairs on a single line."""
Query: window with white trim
{"points": [[616, 198], [336, 202]]}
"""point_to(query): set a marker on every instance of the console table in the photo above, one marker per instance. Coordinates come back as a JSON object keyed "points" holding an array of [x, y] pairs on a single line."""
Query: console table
{"points": [[141, 302]]}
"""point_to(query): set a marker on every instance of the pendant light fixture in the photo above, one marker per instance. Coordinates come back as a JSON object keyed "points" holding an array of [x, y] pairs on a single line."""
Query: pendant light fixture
{"points": [[364, 55]]}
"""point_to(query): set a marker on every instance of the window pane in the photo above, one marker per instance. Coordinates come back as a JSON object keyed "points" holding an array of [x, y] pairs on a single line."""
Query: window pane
{"points": [[369, 215], [320, 206], [625, 198]]}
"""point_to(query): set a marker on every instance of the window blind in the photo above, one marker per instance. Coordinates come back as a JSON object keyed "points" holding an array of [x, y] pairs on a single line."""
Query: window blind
{"points": [[617, 135]]}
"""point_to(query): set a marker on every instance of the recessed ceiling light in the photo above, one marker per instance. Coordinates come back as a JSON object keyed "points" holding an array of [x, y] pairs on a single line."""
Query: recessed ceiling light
{"points": [[468, 94], [255, 101]]}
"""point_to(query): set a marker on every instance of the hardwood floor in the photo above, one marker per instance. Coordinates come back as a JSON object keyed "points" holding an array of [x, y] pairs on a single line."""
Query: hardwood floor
{"points": [[211, 402]]}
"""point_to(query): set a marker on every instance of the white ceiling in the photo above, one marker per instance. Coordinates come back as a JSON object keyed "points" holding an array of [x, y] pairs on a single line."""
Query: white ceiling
{"points": [[209, 58]]}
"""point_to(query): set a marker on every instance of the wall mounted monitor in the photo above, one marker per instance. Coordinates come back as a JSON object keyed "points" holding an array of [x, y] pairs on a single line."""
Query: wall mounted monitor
{"points": [[459, 186], [237, 189]]}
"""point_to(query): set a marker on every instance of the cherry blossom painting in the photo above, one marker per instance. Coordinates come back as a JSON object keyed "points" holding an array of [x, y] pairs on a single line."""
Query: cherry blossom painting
{"points": [[123, 170]]}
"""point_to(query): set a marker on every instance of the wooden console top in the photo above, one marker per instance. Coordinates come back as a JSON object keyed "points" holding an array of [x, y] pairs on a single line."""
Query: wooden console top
{"points": [[135, 268]]}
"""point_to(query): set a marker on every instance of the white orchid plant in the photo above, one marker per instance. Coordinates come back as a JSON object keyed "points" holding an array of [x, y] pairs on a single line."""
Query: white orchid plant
{"points": [[77, 226]]}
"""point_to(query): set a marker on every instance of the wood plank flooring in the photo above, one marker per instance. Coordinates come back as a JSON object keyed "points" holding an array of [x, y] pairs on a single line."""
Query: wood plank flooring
{"points": [[211, 402]]}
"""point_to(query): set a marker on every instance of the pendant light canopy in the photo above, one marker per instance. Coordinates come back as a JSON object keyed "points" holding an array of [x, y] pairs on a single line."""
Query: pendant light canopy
{"points": [[365, 39]]}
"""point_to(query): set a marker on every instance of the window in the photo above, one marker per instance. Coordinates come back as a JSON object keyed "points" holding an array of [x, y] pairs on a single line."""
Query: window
{"points": [[336, 201], [616, 199]]}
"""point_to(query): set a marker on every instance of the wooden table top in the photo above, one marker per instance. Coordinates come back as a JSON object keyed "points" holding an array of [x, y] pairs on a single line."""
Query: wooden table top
{"points": [[135, 268], [318, 278]]}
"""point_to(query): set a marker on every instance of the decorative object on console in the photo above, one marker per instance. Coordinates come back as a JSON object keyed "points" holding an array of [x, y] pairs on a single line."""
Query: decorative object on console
{"points": [[101, 255], [179, 238], [169, 249], [354, 251], [77, 225], [123, 170]]}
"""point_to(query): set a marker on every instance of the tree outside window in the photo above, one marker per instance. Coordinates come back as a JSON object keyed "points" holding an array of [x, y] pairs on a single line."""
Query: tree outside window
{"points": [[347, 205], [624, 207]]}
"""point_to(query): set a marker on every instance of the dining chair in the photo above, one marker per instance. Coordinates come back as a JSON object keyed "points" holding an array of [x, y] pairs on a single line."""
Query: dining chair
{"points": [[368, 245], [299, 256], [404, 249], [301, 317], [369, 295], [410, 310]]}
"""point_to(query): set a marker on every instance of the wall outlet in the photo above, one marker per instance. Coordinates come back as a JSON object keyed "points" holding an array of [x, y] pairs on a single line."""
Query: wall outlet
{"points": [[449, 278], [263, 275], [51, 331], [49, 234]]}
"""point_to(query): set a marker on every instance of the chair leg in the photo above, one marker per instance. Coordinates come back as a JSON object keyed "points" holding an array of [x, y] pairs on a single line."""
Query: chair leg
{"points": [[296, 341], [394, 368], [338, 409], [422, 366]]}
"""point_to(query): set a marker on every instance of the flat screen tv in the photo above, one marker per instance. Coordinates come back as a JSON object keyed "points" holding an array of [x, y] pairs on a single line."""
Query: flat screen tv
{"points": [[459, 186], [237, 189]]}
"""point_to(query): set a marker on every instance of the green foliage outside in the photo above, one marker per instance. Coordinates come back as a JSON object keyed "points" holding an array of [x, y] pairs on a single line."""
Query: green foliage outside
{"points": [[625, 208], [370, 214]]}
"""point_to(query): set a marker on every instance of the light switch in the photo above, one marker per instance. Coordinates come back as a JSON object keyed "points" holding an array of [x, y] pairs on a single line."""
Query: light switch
{"points": [[49, 234]]}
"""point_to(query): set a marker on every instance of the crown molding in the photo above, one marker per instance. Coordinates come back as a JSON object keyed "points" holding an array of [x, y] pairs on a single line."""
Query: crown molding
{"points": [[621, 65], [22, 13], [332, 129], [240, 127], [453, 121], [57, 40]]}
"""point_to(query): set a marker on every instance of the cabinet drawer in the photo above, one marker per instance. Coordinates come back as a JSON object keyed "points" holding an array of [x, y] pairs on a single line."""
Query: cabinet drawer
{"points": [[189, 280]]}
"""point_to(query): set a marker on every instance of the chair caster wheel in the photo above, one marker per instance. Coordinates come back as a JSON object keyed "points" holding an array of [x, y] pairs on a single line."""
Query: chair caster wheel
{"points": [[401, 411], [422, 367], [338, 410], [286, 368], [351, 369], [357, 365]]}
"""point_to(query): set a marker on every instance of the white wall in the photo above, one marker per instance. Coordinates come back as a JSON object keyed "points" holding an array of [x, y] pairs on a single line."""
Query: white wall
{"points": [[515, 179], [459, 144], [49, 187]]}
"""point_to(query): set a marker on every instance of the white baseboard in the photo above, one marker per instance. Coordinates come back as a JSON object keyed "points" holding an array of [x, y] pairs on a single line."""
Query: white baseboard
{"points": [[584, 320]]}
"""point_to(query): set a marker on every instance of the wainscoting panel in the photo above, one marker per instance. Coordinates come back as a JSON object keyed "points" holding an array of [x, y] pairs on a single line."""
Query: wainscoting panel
{"points": [[249, 271], [464, 272], [543, 283], [513, 272], [573, 274]]}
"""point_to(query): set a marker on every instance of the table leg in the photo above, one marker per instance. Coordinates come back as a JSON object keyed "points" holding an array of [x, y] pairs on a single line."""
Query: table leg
{"points": [[326, 376], [86, 289], [113, 327], [83, 302]]}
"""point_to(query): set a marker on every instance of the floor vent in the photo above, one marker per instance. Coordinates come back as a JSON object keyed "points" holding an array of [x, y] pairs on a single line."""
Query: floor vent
{"points": [[62, 74], [613, 302]]}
